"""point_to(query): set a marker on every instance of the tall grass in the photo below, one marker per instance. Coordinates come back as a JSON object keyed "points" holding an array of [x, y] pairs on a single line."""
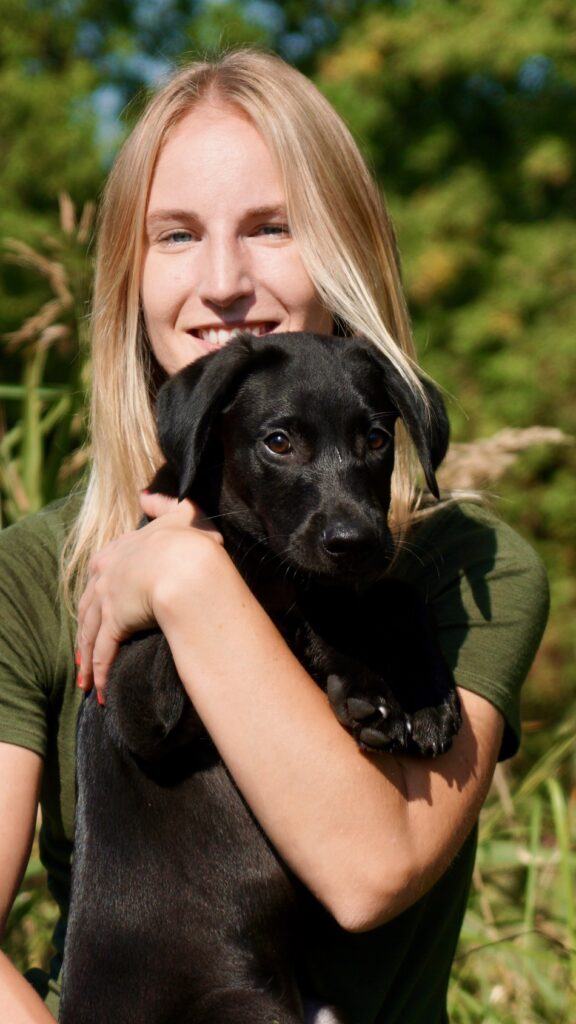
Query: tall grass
{"points": [[516, 962], [41, 418]]}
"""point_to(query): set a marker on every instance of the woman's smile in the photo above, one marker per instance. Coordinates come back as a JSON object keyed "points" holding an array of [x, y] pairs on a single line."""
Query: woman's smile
{"points": [[217, 335]]}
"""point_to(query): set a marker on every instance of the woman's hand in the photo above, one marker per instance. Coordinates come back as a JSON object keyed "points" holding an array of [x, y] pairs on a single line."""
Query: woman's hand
{"points": [[119, 598]]}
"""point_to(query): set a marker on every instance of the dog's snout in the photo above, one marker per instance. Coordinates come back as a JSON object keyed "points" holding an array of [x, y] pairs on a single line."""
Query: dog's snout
{"points": [[346, 537]]}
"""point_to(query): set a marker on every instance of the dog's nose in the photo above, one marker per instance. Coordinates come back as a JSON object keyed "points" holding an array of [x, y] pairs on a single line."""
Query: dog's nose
{"points": [[346, 538]]}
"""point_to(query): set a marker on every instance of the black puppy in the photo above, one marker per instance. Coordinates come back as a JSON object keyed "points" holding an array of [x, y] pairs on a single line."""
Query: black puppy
{"points": [[181, 911]]}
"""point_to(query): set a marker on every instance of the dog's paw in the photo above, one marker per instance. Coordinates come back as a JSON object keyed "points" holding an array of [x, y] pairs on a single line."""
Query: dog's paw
{"points": [[379, 723], [375, 722], [434, 728]]}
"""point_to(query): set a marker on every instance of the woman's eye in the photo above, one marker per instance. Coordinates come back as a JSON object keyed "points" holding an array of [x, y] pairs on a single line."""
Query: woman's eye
{"points": [[377, 439], [272, 230], [279, 443], [177, 237]]}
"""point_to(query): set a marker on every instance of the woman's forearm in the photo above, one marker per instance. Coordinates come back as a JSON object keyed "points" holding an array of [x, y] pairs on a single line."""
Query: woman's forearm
{"points": [[366, 834], [19, 1003]]}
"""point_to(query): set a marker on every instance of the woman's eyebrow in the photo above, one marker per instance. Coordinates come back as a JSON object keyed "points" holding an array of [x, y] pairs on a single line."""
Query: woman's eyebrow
{"points": [[159, 216], [277, 210]]}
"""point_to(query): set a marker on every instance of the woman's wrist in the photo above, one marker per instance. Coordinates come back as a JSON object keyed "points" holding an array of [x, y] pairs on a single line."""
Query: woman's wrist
{"points": [[194, 575]]}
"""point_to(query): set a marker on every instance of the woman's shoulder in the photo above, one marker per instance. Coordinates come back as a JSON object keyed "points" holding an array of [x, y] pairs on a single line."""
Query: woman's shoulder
{"points": [[470, 539], [488, 589], [43, 531], [36, 631], [475, 569]]}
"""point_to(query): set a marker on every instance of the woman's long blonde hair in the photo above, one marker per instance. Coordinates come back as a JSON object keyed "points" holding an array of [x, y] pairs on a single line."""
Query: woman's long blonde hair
{"points": [[346, 241]]}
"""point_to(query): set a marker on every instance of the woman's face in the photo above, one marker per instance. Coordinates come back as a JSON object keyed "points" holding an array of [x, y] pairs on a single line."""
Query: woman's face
{"points": [[219, 256]]}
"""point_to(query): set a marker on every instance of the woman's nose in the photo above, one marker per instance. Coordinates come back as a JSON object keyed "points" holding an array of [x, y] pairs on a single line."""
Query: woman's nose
{"points": [[225, 273]]}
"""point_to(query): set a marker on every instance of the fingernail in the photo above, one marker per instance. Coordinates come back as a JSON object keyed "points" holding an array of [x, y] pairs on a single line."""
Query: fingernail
{"points": [[79, 680], [77, 658], [100, 698]]}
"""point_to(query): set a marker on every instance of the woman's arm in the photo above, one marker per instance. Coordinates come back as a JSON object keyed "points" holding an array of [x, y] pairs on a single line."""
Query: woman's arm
{"points": [[19, 1003], [367, 834], [20, 775]]}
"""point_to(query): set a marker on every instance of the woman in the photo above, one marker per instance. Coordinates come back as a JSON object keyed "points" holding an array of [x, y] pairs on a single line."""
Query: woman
{"points": [[240, 201]]}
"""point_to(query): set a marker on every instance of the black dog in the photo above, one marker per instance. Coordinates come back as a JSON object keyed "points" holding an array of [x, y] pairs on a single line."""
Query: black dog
{"points": [[181, 911]]}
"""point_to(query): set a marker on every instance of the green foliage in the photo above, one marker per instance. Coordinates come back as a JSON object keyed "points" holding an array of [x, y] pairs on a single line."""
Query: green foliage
{"points": [[47, 129], [517, 955], [47, 133]]}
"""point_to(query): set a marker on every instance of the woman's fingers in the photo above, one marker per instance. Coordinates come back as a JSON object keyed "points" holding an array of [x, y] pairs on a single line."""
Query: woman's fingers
{"points": [[188, 512], [89, 617], [155, 505], [100, 627], [98, 643], [103, 654], [118, 600]]}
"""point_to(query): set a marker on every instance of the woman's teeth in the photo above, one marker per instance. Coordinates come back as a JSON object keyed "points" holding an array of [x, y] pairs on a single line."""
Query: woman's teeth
{"points": [[221, 335]]}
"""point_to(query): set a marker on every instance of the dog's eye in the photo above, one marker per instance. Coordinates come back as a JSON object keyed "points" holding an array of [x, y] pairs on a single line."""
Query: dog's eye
{"points": [[279, 443], [377, 439]]}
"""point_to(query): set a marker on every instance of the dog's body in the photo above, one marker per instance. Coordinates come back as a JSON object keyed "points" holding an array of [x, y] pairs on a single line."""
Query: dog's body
{"points": [[181, 910]]}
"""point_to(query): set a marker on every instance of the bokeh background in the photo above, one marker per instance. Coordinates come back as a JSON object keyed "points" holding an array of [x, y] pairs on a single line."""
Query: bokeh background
{"points": [[466, 110]]}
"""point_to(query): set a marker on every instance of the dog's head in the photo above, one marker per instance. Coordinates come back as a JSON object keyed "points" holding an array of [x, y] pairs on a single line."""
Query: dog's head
{"points": [[290, 440]]}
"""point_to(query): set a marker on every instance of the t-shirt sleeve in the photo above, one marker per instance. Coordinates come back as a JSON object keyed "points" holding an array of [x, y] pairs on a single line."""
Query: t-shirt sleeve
{"points": [[490, 599], [30, 631]]}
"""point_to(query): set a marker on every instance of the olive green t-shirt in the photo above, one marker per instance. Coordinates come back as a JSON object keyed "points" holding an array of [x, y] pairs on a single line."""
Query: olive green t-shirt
{"points": [[489, 596]]}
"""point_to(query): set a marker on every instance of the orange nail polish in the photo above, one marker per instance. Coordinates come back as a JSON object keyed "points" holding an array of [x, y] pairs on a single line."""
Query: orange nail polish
{"points": [[100, 698], [77, 658], [79, 680]]}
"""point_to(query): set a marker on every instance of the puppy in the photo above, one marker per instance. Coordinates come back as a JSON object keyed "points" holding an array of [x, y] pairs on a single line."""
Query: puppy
{"points": [[181, 911]]}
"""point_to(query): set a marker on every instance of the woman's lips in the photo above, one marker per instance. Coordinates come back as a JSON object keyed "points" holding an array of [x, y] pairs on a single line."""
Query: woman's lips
{"points": [[219, 335]]}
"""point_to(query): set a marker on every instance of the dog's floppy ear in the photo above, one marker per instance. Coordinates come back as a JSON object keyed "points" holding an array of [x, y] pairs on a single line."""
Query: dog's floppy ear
{"points": [[189, 403], [424, 417], [427, 424]]}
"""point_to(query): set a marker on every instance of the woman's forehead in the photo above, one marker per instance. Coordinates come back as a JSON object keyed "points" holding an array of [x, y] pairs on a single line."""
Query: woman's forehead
{"points": [[217, 146]]}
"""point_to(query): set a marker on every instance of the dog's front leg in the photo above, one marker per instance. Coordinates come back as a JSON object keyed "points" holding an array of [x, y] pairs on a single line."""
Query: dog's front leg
{"points": [[147, 710], [377, 723], [361, 699], [378, 656]]}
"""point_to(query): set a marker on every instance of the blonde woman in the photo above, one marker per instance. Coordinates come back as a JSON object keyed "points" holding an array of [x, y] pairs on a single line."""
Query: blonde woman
{"points": [[241, 201]]}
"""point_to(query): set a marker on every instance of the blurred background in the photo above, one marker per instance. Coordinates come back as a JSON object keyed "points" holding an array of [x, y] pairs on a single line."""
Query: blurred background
{"points": [[466, 110]]}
